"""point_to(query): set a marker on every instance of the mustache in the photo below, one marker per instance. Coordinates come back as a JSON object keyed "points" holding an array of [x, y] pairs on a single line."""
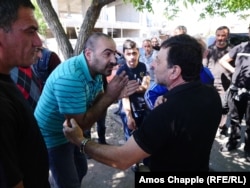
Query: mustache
{"points": [[113, 64]]}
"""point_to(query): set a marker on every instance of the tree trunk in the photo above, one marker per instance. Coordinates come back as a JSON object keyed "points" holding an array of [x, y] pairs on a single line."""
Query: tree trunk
{"points": [[86, 29], [89, 22], [56, 28]]}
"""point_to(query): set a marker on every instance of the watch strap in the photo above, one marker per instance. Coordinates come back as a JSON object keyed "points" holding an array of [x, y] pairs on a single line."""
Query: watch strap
{"points": [[83, 144]]}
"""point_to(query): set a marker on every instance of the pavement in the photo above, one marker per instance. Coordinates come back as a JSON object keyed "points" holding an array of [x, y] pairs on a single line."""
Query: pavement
{"points": [[100, 175]]}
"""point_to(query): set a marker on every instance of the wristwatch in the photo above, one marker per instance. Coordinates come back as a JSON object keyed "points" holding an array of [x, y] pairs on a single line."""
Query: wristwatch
{"points": [[83, 144]]}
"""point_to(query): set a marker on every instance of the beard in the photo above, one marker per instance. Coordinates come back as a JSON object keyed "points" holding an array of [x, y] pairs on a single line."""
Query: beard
{"points": [[221, 43]]}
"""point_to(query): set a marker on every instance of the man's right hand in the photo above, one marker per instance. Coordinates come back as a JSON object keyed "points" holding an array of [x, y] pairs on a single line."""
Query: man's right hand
{"points": [[161, 99], [129, 89], [120, 86], [73, 132]]}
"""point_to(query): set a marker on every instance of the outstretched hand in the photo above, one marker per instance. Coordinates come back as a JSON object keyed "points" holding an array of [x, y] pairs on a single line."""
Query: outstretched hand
{"points": [[120, 86], [73, 132], [129, 89]]}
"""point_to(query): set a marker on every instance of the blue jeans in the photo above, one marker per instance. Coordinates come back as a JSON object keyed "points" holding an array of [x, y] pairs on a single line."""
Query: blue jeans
{"points": [[68, 166], [127, 131]]}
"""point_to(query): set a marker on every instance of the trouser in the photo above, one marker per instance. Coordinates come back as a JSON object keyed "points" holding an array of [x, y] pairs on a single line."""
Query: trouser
{"points": [[224, 101], [239, 109], [101, 129], [68, 166], [127, 131], [225, 119]]}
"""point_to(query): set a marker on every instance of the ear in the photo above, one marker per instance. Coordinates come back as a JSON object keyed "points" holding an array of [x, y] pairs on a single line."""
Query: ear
{"points": [[2, 36], [2, 39], [87, 53], [176, 72]]}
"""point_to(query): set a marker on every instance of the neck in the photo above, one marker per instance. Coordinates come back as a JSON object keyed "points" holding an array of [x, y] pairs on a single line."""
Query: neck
{"points": [[176, 83]]}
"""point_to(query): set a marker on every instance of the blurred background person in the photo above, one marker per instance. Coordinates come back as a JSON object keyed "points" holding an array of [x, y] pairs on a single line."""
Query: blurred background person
{"points": [[147, 57], [181, 29], [222, 77], [155, 43]]}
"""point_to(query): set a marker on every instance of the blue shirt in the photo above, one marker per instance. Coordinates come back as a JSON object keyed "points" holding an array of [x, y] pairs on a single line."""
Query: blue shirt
{"points": [[148, 62], [70, 89]]}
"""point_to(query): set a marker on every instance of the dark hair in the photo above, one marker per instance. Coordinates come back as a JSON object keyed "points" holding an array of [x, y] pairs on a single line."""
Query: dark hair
{"points": [[223, 28], [186, 52], [91, 41], [129, 44], [9, 12]]}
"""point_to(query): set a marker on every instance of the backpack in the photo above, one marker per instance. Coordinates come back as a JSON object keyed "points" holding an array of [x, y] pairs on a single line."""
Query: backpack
{"points": [[40, 68]]}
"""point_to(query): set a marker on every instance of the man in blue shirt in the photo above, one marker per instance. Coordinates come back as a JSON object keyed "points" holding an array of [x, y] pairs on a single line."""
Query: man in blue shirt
{"points": [[75, 90]]}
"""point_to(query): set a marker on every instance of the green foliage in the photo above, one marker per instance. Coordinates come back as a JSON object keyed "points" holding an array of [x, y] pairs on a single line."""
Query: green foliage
{"points": [[141, 4], [40, 19], [211, 7]]}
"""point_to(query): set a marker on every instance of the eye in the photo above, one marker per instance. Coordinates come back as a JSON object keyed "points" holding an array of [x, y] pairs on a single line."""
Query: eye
{"points": [[31, 30], [106, 54]]}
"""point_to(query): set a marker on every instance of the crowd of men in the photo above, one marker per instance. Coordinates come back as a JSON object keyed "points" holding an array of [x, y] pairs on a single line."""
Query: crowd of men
{"points": [[177, 134]]}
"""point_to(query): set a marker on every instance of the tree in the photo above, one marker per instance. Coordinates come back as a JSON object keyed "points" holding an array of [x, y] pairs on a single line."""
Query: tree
{"points": [[56, 27], [86, 28], [212, 7], [40, 19]]}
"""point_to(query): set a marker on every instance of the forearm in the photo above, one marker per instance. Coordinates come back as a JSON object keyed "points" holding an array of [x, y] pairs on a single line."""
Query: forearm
{"points": [[106, 154], [94, 113], [98, 109], [227, 66], [224, 62], [109, 155], [120, 157], [126, 107]]}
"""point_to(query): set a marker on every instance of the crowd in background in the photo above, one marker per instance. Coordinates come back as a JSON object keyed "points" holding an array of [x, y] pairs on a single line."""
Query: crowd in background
{"points": [[221, 79]]}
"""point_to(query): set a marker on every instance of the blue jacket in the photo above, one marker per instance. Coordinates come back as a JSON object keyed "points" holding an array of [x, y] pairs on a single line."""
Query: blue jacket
{"points": [[156, 90]]}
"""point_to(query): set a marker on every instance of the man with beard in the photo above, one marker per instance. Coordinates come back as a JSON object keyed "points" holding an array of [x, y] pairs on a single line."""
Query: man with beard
{"points": [[222, 76], [75, 90]]}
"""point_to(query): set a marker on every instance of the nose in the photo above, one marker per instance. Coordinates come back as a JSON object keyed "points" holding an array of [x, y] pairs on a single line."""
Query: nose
{"points": [[114, 59], [37, 41], [220, 37]]}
